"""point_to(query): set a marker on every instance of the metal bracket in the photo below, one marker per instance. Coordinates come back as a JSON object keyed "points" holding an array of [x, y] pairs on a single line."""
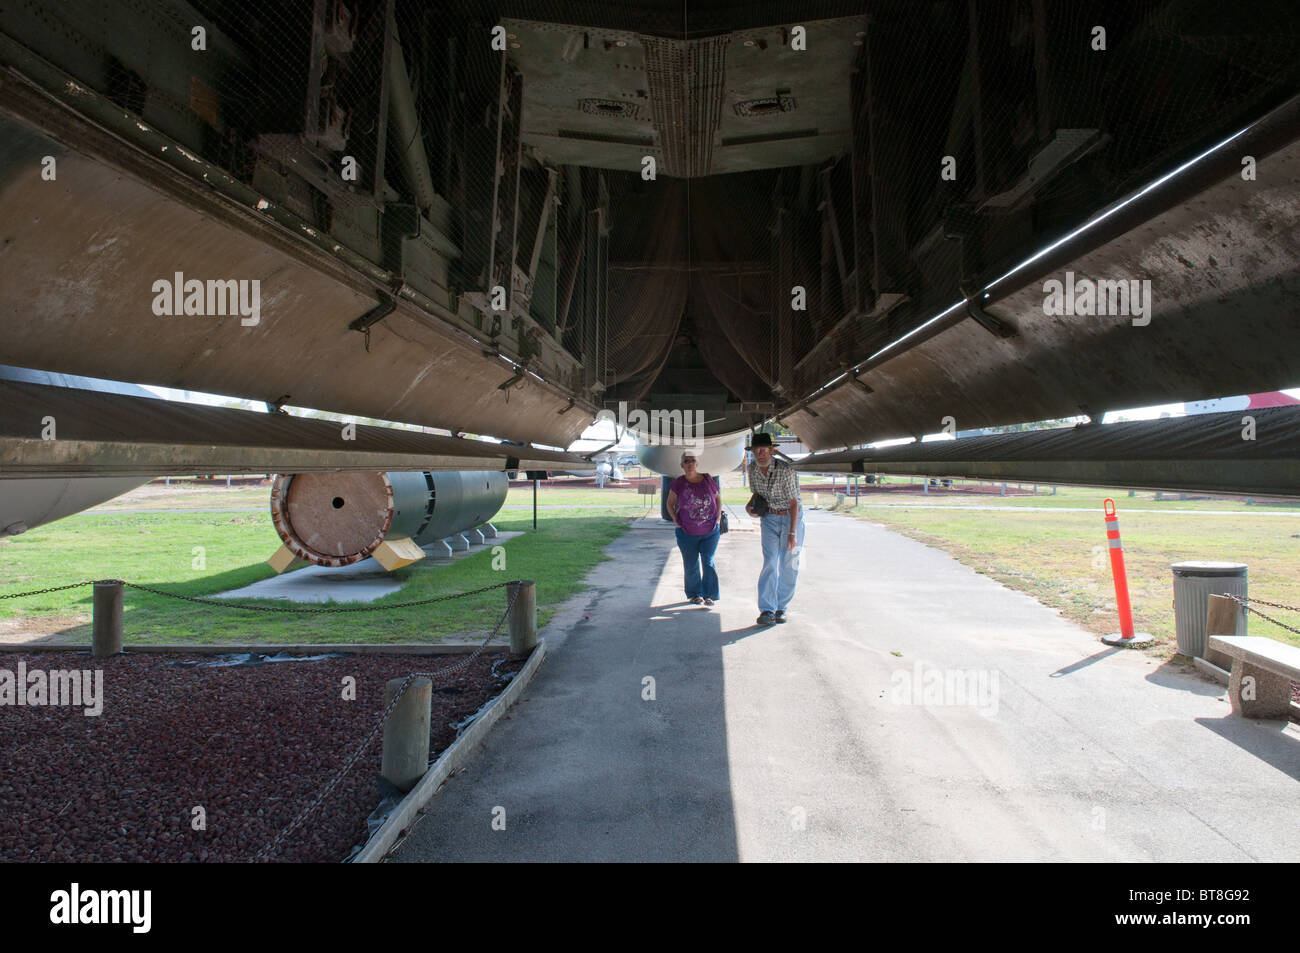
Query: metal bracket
{"points": [[386, 306], [990, 322], [859, 383]]}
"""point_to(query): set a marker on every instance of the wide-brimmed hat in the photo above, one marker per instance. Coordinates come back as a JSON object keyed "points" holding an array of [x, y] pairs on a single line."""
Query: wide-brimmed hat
{"points": [[761, 440]]}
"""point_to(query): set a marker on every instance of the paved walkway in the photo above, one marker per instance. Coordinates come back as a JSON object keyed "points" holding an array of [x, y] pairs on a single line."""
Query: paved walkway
{"points": [[817, 740]]}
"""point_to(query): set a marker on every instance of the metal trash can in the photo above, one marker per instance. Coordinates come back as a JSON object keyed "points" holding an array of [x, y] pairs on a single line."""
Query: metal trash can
{"points": [[1194, 583]]}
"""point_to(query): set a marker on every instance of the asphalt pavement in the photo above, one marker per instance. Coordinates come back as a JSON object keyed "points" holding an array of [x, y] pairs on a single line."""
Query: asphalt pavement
{"points": [[911, 710]]}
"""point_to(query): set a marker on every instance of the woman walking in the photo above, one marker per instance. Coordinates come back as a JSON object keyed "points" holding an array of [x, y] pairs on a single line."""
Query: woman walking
{"points": [[696, 508]]}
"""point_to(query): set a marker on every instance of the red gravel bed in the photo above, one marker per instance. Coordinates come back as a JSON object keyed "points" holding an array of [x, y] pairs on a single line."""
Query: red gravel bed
{"points": [[251, 745]]}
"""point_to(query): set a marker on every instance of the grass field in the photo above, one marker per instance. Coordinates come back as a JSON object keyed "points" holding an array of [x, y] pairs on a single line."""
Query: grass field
{"points": [[1060, 558], [1033, 543], [200, 554], [896, 492]]}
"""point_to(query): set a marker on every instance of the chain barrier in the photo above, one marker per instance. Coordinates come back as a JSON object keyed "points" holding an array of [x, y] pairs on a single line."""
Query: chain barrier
{"points": [[1245, 604], [265, 853], [319, 610], [41, 592]]}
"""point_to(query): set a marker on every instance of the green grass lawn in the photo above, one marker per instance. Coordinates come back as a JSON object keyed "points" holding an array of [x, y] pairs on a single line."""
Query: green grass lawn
{"points": [[159, 549], [1066, 497], [1061, 558]]}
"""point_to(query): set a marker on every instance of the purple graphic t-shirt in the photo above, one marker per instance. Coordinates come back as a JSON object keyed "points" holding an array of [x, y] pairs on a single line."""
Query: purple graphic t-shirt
{"points": [[695, 506]]}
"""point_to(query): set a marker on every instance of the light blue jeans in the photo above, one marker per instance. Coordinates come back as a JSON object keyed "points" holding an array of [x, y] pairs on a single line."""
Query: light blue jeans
{"points": [[780, 566]]}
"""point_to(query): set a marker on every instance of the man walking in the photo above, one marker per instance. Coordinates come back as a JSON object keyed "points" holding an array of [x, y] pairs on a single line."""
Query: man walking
{"points": [[776, 488]]}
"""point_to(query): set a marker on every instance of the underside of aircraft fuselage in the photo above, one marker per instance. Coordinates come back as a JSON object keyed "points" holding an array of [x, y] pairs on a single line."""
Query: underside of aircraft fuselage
{"points": [[505, 218]]}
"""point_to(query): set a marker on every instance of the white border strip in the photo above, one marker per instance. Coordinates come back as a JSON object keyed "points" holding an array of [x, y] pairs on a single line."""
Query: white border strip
{"points": [[403, 816]]}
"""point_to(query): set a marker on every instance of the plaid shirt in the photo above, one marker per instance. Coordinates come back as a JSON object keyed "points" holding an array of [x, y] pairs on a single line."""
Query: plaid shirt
{"points": [[780, 486]]}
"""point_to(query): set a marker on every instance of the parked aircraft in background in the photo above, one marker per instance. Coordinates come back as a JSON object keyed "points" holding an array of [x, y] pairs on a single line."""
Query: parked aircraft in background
{"points": [[1273, 398]]}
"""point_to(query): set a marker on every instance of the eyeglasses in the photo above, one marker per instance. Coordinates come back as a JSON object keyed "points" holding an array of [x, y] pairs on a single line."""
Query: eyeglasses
{"points": [[688, 460]]}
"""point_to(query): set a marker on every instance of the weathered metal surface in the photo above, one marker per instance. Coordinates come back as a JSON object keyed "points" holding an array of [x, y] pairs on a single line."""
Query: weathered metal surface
{"points": [[1205, 452], [1224, 273], [81, 255], [724, 91], [26, 504], [116, 435]]}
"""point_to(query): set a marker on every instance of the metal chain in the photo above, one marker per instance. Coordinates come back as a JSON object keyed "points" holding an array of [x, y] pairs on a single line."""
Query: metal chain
{"points": [[38, 592], [1245, 604], [326, 610], [239, 605], [443, 673], [1276, 605], [293, 825]]}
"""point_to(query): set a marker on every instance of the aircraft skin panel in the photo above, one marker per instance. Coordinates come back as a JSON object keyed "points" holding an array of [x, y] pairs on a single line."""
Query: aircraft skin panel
{"points": [[106, 434], [26, 504], [1199, 452], [146, 193], [1224, 272], [82, 254]]}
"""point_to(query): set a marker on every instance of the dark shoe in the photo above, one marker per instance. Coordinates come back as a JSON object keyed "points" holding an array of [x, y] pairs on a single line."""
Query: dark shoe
{"points": [[708, 602], [696, 600], [766, 618], [780, 615]]}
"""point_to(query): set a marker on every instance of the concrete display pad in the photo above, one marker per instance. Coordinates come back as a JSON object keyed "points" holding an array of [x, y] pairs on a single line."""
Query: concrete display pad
{"points": [[365, 581]]}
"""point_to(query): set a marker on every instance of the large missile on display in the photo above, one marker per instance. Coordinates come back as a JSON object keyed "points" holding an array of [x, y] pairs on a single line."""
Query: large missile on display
{"points": [[336, 519], [28, 503]]}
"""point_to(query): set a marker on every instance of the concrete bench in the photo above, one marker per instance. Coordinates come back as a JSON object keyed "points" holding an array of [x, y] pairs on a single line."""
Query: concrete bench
{"points": [[1265, 668]]}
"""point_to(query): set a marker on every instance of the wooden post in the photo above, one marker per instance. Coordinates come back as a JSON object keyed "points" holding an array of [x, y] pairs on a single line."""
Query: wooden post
{"points": [[106, 624], [523, 616], [1224, 617], [406, 732]]}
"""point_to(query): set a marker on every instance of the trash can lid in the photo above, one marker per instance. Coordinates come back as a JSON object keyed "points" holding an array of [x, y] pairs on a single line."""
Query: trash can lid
{"points": [[1197, 567]]}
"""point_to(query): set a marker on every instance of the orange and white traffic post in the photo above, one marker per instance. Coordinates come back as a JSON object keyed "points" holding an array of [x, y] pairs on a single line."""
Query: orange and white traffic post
{"points": [[1126, 636]]}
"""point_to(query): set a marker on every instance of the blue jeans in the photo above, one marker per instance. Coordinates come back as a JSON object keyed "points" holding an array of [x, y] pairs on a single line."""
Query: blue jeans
{"points": [[780, 566], [698, 551]]}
